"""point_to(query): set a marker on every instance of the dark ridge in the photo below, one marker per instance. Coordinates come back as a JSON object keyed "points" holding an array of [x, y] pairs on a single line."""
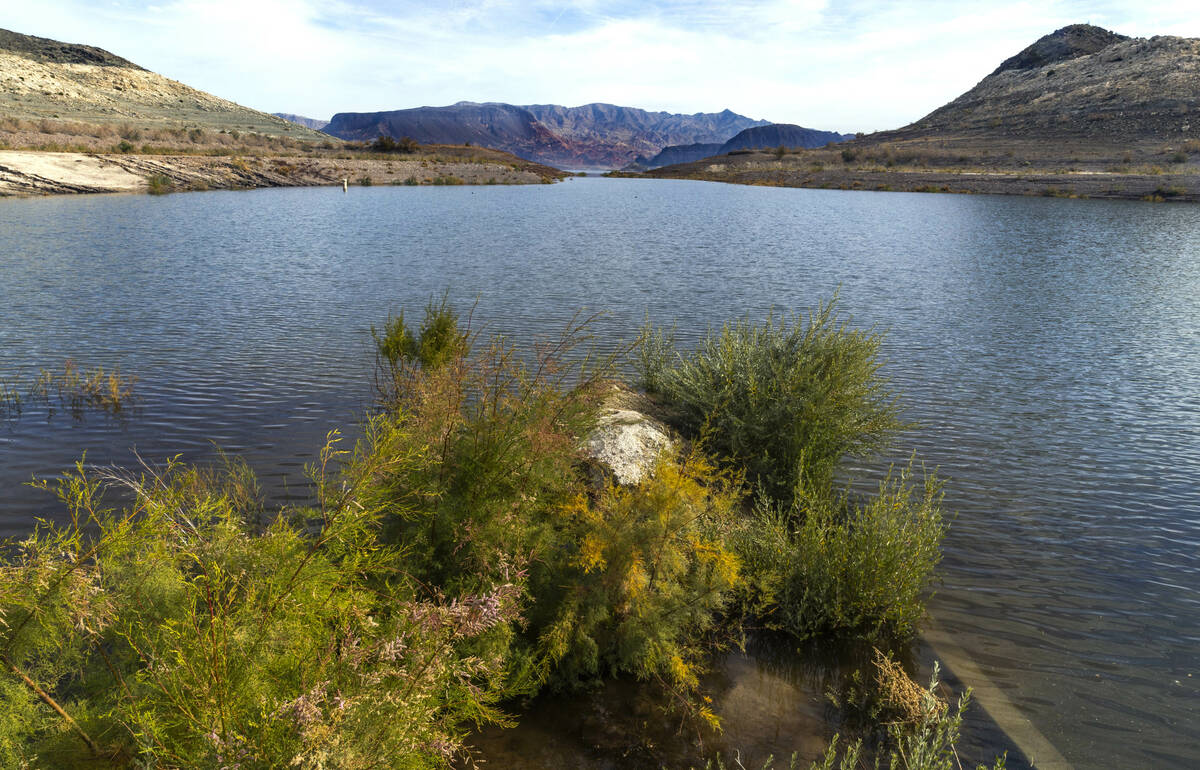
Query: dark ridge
{"points": [[781, 134], [44, 49], [681, 153], [1070, 42]]}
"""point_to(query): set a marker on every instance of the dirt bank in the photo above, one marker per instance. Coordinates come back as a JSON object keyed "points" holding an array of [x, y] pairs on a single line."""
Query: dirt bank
{"points": [[47, 173]]}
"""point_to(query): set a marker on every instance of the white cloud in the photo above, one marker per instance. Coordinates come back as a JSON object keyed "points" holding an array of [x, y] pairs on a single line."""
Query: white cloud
{"points": [[845, 65]]}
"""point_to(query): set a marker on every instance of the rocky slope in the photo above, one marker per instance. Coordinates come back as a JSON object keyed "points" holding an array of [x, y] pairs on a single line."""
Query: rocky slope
{"points": [[1082, 112], [1080, 83], [590, 136], [43, 79]]}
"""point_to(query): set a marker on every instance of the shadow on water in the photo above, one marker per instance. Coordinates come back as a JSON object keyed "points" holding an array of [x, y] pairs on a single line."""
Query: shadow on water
{"points": [[774, 701]]}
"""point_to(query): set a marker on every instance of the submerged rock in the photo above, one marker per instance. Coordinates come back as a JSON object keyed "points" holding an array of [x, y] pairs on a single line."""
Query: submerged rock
{"points": [[626, 443]]}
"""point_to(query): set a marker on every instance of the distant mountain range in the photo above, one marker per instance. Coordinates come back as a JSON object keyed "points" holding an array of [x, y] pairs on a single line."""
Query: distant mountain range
{"points": [[589, 136], [314, 123], [754, 138]]}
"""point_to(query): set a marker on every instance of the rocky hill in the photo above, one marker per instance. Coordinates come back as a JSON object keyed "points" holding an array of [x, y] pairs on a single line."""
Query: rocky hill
{"points": [[42, 79], [1082, 112], [754, 138], [781, 134], [680, 153], [1079, 83], [590, 136]]}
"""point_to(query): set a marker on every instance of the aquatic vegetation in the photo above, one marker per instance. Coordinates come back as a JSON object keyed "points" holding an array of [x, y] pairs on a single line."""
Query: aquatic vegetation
{"points": [[77, 388], [73, 388]]}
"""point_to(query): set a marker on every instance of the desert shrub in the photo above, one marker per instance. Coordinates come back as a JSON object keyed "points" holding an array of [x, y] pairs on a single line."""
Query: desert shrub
{"points": [[124, 147], [484, 480], [849, 154], [1178, 157], [835, 565], [640, 574], [181, 632], [785, 400], [479, 449], [399, 354], [159, 184]]}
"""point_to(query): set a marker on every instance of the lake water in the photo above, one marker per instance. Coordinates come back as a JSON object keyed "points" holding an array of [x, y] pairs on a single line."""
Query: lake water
{"points": [[1049, 349]]}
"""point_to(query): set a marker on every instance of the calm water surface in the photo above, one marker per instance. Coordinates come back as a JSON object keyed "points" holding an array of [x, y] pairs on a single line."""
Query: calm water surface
{"points": [[1049, 349]]}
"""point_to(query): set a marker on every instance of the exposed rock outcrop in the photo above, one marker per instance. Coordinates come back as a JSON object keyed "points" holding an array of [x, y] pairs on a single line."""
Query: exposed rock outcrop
{"points": [[626, 442]]}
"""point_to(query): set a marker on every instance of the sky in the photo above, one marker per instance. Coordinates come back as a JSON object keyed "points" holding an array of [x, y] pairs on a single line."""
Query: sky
{"points": [[844, 65]]}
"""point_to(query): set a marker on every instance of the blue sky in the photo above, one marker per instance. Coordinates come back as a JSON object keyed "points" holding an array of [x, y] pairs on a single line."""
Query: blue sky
{"points": [[854, 65]]}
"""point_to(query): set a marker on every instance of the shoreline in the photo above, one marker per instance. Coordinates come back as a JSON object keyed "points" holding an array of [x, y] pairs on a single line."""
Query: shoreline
{"points": [[26, 173], [1086, 184]]}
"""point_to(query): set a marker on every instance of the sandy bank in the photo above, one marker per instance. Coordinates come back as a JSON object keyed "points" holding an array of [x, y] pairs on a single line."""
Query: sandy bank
{"points": [[48, 173]]}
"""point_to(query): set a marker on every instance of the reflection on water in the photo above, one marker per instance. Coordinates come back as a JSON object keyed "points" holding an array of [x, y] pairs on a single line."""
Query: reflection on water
{"points": [[1049, 349], [769, 704]]}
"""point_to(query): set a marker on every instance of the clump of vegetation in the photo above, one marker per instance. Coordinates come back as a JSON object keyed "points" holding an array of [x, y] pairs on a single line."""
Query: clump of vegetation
{"points": [[830, 565], [76, 389], [178, 632], [159, 184], [922, 737], [406, 145], [485, 481], [787, 400], [463, 554], [642, 574]]}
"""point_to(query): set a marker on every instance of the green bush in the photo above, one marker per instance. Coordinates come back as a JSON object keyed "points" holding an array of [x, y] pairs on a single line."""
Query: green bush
{"points": [[159, 184], [833, 565], [483, 480], [640, 575], [178, 632], [787, 400]]}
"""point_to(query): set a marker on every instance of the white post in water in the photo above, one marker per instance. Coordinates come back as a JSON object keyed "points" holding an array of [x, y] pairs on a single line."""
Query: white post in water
{"points": [[345, 185]]}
